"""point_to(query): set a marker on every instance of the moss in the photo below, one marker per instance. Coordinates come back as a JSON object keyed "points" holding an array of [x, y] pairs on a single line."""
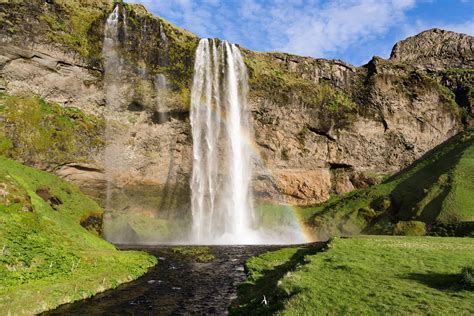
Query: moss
{"points": [[269, 79], [460, 82], [77, 25], [36, 131], [200, 254], [171, 53]]}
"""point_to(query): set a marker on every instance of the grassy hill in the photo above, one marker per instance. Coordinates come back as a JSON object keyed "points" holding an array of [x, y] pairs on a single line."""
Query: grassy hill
{"points": [[50, 251], [435, 194], [388, 275]]}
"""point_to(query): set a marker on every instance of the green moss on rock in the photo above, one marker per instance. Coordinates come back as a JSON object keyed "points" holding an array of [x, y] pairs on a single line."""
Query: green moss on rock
{"points": [[37, 132]]}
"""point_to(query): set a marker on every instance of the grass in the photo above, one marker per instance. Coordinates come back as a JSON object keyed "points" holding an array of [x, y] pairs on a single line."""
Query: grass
{"points": [[46, 257], [362, 275], [200, 254], [37, 132], [436, 190]]}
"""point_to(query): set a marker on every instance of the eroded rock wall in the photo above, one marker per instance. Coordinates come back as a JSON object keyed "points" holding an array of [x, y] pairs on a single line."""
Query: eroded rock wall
{"points": [[321, 127]]}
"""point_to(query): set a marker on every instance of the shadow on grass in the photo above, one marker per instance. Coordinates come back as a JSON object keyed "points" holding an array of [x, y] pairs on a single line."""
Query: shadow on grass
{"points": [[250, 295], [450, 282]]}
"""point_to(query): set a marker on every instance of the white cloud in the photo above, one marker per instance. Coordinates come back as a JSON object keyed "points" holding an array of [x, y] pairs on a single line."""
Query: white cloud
{"points": [[316, 28]]}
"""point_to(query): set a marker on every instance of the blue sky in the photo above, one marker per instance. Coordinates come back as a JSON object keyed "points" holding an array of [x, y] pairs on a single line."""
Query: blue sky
{"points": [[351, 30]]}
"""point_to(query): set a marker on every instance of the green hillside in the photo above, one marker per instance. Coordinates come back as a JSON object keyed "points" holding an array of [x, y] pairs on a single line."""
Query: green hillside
{"points": [[50, 251], [434, 194], [383, 275]]}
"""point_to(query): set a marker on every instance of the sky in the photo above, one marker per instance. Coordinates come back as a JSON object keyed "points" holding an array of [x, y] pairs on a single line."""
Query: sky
{"points": [[350, 30]]}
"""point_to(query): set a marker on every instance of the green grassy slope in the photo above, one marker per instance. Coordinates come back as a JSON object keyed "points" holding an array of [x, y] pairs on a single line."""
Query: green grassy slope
{"points": [[435, 190], [46, 257], [364, 276]]}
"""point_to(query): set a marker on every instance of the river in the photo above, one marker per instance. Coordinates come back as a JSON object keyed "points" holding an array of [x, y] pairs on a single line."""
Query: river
{"points": [[177, 285]]}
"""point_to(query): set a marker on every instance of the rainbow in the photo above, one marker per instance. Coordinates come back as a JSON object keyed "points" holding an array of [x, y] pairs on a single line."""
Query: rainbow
{"points": [[248, 137]]}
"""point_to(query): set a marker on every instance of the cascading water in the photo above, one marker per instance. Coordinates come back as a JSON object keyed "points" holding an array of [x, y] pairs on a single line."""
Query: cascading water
{"points": [[222, 202], [221, 198], [116, 160], [111, 72]]}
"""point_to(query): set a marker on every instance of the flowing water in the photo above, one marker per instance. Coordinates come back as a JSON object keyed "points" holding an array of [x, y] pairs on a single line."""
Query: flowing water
{"points": [[222, 168], [177, 285], [114, 159], [224, 156]]}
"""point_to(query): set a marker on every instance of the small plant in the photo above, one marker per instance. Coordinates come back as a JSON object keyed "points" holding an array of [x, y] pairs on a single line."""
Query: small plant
{"points": [[410, 228], [467, 277]]}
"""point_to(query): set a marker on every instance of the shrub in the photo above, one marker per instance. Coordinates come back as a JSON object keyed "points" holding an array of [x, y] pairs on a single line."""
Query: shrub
{"points": [[410, 228], [367, 213]]}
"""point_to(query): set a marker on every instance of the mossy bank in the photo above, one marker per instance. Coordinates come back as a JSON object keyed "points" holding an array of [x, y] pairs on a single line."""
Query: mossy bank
{"points": [[51, 252]]}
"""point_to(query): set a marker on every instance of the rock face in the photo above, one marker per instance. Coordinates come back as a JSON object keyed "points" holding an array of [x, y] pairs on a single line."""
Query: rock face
{"points": [[51, 74], [322, 127], [436, 49]]}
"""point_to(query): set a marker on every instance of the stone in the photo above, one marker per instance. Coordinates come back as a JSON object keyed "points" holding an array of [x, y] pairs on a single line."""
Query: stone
{"points": [[436, 49]]}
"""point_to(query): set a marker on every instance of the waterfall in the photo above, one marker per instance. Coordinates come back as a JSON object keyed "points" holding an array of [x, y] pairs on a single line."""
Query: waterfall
{"points": [[222, 207], [115, 158], [110, 54], [161, 87]]}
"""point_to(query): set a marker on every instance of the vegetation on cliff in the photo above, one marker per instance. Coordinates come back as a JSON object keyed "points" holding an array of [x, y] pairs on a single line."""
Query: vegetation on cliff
{"points": [[36, 132], [362, 275], [170, 52], [270, 79], [436, 190], [46, 257], [77, 25]]}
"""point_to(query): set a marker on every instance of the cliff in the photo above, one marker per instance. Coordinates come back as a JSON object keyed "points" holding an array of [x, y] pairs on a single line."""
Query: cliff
{"points": [[436, 49], [322, 127]]}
